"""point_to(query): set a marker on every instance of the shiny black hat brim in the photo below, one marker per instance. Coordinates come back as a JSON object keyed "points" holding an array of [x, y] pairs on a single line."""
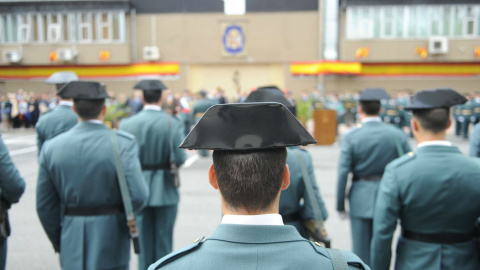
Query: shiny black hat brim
{"points": [[373, 94], [150, 85], [247, 127], [83, 90], [267, 96], [435, 98]]}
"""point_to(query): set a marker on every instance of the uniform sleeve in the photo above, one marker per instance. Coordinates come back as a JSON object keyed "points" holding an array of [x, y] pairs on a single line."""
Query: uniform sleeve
{"points": [[12, 184], [386, 213], [405, 144], [344, 167], [133, 175], [475, 142], [40, 140], [308, 210], [48, 203], [180, 154]]}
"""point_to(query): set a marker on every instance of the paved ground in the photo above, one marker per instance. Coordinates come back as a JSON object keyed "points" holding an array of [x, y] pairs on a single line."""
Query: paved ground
{"points": [[199, 210]]}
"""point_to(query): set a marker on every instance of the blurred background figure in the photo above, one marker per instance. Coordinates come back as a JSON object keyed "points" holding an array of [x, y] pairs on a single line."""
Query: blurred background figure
{"points": [[202, 103], [135, 102], [186, 104]]}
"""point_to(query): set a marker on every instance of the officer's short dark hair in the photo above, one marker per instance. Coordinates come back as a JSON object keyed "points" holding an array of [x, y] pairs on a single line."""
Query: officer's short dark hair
{"points": [[152, 96], [88, 109], [250, 180], [435, 120], [370, 107]]}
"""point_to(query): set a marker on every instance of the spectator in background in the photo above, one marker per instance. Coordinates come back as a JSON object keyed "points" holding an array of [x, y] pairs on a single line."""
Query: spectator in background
{"points": [[135, 102]]}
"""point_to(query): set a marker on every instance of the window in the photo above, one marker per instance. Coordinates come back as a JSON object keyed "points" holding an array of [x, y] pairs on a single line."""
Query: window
{"points": [[24, 27], [54, 28], [85, 27], [469, 22], [413, 21]]}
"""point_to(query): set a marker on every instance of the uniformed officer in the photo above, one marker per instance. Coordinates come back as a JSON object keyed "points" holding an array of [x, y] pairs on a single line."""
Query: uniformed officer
{"points": [[365, 151], [434, 193], [158, 135], [295, 204], [467, 112], [199, 108], [12, 187], [475, 142], [62, 117], [78, 196], [249, 170]]}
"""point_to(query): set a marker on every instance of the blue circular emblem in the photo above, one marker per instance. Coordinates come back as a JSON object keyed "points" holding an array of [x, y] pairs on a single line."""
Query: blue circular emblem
{"points": [[233, 39]]}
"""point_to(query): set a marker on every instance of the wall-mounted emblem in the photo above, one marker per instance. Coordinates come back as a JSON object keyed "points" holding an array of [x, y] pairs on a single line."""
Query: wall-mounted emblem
{"points": [[233, 39]]}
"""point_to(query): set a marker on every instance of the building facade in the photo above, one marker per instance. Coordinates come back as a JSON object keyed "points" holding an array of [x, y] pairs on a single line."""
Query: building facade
{"points": [[334, 45]]}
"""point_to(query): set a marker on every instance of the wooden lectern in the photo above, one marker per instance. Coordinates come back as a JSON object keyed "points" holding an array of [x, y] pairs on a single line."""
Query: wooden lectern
{"points": [[325, 126]]}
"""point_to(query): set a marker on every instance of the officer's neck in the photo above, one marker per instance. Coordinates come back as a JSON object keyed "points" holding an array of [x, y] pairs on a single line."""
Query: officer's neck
{"points": [[272, 209], [426, 136]]}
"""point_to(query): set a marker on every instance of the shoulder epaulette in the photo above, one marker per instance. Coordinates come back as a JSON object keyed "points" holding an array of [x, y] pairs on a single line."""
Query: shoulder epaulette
{"points": [[403, 159], [125, 134], [350, 257], [177, 254]]}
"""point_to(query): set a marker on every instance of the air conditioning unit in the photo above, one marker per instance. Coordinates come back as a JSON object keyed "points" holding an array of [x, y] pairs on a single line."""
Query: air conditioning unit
{"points": [[11, 56], [151, 53], [66, 55], [438, 45]]}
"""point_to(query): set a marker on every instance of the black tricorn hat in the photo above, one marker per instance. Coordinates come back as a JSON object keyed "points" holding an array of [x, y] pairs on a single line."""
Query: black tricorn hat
{"points": [[247, 127], [267, 95], [150, 85], [269, 88], [83, 90], [435, 98], [373, 94]]}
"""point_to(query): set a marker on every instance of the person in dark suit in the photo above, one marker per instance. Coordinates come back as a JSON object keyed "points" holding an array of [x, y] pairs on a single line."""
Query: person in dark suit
{"points": [[433, 193], [249, 170], [79, 201], [365, 151], [12, 186], [62, 117]]}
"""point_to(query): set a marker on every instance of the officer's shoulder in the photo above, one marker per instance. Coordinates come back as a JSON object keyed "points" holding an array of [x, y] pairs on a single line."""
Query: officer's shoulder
{"points": [[358, 127], [350, 257], [126, 135], [405, 159], [176, 254]]}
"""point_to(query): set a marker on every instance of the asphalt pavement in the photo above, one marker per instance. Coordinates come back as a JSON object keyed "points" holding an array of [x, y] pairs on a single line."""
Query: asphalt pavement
{"points": [[199, 210]]}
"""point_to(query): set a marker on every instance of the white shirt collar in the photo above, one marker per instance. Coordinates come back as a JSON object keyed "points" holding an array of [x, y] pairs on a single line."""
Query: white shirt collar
{"points": [[95, 121], [267, 219], [152, 107], [65, 102], [443, 143], [371, 119]]}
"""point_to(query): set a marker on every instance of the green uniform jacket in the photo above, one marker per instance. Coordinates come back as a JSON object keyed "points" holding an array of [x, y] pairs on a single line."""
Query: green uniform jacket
{"points": [[200, 106], [253, 247], [54, 122], [365, 151], [77, 169], [290, 199], [436, 190], [12, 184], [475, 142], [152, 131]]}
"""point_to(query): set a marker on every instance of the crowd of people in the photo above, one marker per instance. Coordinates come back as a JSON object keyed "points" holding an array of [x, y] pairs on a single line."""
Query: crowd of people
{"points": [[264, 177]]}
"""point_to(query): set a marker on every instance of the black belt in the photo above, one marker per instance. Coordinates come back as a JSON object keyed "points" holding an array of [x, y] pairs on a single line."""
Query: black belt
{"points": [[155, 167], [438, 238], [94, 211], [375, 177], [292, 217]]}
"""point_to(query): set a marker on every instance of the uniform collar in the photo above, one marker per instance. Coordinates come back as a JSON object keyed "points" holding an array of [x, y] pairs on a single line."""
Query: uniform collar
{"points": [[66, 103], [95, 121], [441, 143], [268, 219], [256, 233], [152, 107], [371, 119]]}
